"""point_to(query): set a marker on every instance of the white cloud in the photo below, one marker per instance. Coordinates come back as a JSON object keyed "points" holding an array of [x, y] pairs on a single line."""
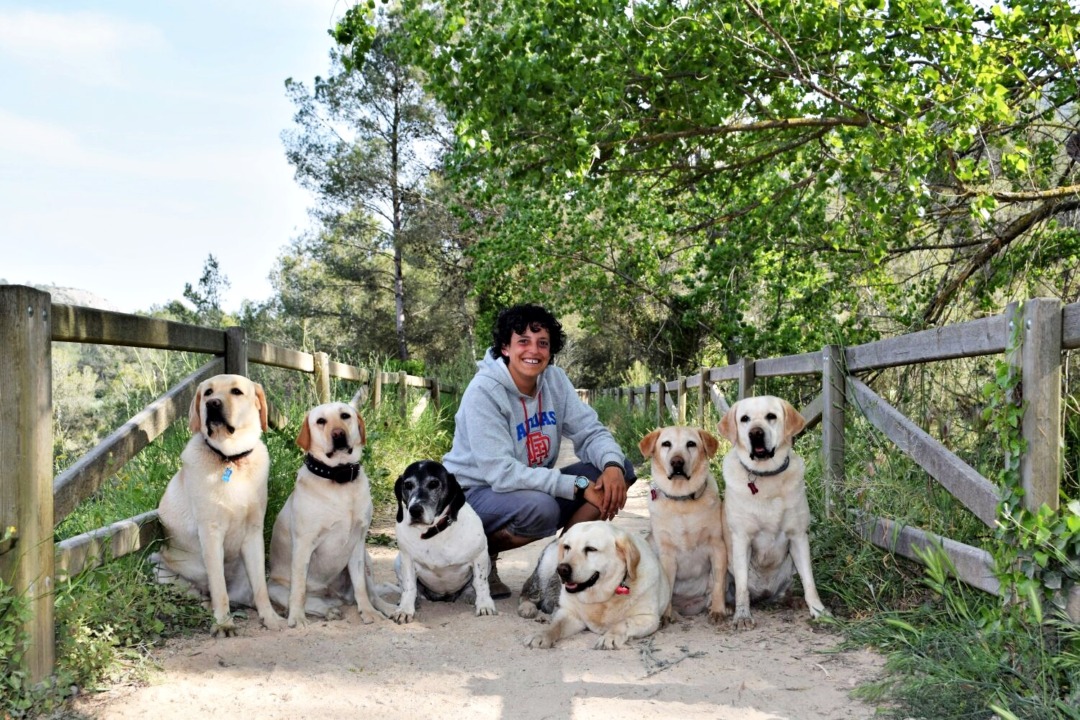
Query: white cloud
{"points": [[86, 46]]}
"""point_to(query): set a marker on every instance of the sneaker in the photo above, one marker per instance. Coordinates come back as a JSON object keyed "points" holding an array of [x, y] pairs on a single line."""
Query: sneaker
{"points": [[498, 588]]}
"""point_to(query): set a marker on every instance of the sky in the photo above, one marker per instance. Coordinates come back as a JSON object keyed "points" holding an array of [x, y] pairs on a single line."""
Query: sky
{"points": [[138, 137]]}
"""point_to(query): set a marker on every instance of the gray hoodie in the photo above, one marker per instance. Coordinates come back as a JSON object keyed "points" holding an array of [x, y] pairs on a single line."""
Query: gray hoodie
{"points": [[492, 445]]}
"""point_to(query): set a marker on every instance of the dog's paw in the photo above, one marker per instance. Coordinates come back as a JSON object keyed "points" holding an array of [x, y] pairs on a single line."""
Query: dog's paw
{"points": [[742, 619], [540, 640], [401, 617], [487, 608], [718, 614], [819, 612], [333, 613], [527, 609], [297, 619], [272, 621], [367, 617], [225, 628], [611, 641]]}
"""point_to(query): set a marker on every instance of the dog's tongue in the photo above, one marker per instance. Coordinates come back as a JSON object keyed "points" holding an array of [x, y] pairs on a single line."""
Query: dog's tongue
{"points": [[571, 586]]}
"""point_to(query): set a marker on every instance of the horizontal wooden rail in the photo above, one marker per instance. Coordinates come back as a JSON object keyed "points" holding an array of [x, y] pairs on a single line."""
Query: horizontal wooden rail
{"points": [[93, 548], [72, 323], [986, 336], [973, 565], [274, 356]]}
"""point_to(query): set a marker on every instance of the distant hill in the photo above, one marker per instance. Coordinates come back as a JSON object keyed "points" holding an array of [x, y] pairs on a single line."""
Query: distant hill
{"points": [[73, 296]]}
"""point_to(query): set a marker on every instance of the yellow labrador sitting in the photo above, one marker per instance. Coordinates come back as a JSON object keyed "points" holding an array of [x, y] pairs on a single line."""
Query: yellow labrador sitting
{"points": [[766, 515], [686, 517], [318, 559], [213, 508], [611, 584]]}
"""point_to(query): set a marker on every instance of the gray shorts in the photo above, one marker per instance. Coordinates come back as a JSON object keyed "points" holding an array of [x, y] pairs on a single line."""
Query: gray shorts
{"points": [[532, 513]]}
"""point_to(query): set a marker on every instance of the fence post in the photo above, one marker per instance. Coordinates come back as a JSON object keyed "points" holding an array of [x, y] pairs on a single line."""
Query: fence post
{"points": [[682, 400], [236, 355], [630, 398], [403, 392], [834, 399], [661, 402], [645, 399], [26, 492], [322, 377], [376, 389], [1040, 466], [702, 397], [747, 375], [435, 393]]}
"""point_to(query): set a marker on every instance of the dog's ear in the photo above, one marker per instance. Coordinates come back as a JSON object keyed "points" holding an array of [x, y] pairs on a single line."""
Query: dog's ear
{"points": [[630, 555], [363, 429], [794, 422], [727, 426], [710, 442], [304, 438], [457, 495], [195, 411], [648, 444], [264, 409], [400, 500]]}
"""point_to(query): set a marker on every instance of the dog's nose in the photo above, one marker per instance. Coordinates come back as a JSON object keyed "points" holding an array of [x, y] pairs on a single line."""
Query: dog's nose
{"points": [[213, 404], [677, 464], [565, 571], [757, 435], [339, 438], [416, 511]]}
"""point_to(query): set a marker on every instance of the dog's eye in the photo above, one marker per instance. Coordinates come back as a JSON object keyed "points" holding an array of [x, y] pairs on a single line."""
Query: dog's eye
{"points": [[345, 416], [320, 421], [433, 485], [208, 392], [744, 418], [237, 391], [588, 549], [666, 443], [771, 417], [691, 444]]}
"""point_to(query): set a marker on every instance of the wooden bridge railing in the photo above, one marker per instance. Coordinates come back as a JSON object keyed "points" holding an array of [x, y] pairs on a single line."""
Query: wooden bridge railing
{"points": [[1043, 328], [32, 502]]}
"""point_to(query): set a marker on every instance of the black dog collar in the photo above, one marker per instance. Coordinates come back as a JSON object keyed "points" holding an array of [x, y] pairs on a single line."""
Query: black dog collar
{"points": [[340, 474], [228, 458], [763, 473]]}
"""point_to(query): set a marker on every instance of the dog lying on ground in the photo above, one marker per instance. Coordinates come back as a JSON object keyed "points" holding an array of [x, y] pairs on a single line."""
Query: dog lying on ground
{"points": [[442, 549], [686, 517], [318, 559], [540, 593], [213, 507], [612, 584], [766, 514]]}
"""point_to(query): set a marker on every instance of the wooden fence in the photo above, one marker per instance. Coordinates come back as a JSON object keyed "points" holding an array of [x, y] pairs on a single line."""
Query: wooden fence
{"points": [[33, 502], [1043, 328]]}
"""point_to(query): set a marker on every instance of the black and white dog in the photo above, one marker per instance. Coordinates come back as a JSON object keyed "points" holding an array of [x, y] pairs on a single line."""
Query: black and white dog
{"points": [[442, 549]]}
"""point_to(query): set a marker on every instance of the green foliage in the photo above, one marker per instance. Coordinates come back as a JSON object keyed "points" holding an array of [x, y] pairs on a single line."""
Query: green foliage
{"points": [[964, 655], [1038, 552], [15, 694]]}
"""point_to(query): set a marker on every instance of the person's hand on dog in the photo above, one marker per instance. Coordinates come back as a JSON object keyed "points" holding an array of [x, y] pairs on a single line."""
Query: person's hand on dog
{"points": [[612, 486]]}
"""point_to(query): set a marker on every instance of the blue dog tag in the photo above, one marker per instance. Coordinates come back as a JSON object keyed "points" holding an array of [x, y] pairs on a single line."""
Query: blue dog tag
{"points": [[226, 475]]}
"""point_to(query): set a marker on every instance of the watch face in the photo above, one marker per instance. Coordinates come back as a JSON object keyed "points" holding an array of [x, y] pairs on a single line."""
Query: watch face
{"points": [[581, 482]]}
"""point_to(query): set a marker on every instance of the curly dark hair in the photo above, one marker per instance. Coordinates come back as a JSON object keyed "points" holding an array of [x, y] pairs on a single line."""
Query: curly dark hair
{"points": [[515, 319]]}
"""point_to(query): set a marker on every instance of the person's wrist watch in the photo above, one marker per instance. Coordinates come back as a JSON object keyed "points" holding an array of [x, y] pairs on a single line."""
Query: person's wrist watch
{"points": [[580, 483]]}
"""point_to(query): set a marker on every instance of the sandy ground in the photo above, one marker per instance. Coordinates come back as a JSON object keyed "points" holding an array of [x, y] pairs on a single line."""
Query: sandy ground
{"points": [[449, 662]]}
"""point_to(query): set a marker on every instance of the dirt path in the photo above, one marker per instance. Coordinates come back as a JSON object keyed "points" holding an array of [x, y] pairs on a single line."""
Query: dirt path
{"points": [[450, 663]]}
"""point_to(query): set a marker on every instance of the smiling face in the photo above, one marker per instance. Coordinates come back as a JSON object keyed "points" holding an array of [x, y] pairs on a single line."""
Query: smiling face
{"points": [[528, 354], [594, 558]]}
